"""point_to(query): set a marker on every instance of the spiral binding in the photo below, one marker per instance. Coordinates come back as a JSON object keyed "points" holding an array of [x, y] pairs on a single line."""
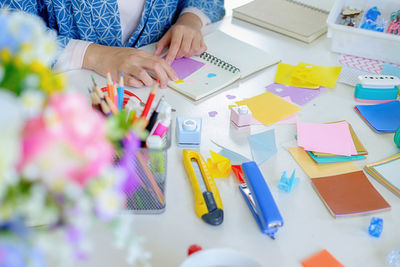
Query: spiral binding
{"points": [[308, 6], [219, 62]]}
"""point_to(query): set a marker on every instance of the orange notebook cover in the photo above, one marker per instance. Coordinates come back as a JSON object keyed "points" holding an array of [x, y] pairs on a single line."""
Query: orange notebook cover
{"points": [[349, 194]]}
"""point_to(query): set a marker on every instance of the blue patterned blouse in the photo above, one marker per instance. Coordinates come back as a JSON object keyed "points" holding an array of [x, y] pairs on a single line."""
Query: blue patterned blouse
{"points": [[98, 20]]}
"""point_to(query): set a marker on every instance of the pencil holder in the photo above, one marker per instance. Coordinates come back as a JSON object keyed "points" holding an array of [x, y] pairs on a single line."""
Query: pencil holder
{"points": [[147, 196]]}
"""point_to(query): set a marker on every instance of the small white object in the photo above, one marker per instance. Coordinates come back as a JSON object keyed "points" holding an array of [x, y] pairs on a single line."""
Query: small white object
{"points": [[243, 109], [378, 81], [189, 125], [154, 141], [217, 257]]}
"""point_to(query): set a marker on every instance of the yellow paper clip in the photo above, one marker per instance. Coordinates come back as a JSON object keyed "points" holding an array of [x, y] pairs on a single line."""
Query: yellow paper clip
{"points": [[208, 204]]}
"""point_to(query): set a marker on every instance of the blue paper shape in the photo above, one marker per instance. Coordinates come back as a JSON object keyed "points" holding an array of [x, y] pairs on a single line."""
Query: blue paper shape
{"points": [[382, 117], [334, 159], [287, 183], [375, 227], [262, 146], [389, 69], [235, 158]]}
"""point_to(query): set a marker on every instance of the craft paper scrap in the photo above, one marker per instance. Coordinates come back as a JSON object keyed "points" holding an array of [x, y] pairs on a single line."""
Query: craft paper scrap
{"points": [[313, 169], [235, 158], [333, 138], [350, 75], [262, 146], [361, 63], [349, 194], [322, 258], [298, 95], [284, 76], [224, 141], [387, 172], [321, 75], [333, 159], [218, 165], [381, 117], [289, 120], [390, 69], [185, 66], [268, 108], [361, 150]]}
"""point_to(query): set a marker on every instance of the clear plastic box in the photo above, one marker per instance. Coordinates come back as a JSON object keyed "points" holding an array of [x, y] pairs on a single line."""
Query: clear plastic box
{"points": [[150, 166], [362, 42]]}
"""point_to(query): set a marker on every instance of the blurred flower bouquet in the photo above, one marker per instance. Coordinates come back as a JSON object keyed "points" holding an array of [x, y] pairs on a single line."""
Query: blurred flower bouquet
{"points": [[56, 158]]}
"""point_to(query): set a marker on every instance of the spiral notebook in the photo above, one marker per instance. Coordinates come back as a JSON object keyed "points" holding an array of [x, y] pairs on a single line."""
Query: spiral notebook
{"points": [[226, 60], [304, 20]]}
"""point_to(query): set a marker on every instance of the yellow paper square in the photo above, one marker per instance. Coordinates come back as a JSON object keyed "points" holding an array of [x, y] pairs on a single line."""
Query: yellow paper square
{"points": [[323, 76], [284, 76], [315, 170], [268, 108]]}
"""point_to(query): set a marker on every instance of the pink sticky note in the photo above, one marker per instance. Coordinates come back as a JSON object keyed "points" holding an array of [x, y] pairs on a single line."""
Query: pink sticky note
{"points": [[333, 138]]}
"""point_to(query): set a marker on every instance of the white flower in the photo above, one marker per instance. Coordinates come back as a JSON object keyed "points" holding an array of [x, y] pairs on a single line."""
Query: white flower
{"points": [[11, 121], [34, 42], [32, 100]]}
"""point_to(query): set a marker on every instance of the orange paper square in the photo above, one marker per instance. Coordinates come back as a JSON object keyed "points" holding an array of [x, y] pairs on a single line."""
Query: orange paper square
{"points": [[321, 259]]}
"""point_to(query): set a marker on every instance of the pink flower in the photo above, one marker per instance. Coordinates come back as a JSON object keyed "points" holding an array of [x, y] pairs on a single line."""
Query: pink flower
{"points": [[68, 142]]}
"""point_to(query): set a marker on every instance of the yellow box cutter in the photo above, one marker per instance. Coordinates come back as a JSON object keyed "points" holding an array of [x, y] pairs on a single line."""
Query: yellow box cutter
{"points": [[208, 204]]}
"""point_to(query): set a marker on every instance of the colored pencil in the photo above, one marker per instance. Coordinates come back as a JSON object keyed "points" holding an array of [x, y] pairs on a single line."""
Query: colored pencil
{"points": [[150, 100], [109, 84], [111, 105], [121, 92]]}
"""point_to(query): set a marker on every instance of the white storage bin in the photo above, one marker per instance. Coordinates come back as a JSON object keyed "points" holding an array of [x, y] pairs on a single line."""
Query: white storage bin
{"points": [[361, 42]]}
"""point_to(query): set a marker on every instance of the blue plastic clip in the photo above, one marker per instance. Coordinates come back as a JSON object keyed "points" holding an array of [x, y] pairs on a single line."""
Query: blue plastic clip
{"points": [[375, 227], [371, 20], [287, 183], [259, 199]]}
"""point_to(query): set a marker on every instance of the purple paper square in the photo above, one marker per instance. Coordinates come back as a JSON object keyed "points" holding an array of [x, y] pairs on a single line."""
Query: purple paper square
{"points": [[298, 95], [186, 66]]}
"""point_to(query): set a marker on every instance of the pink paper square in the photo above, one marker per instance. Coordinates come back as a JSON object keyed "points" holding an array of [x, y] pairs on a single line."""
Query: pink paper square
{"points": [[333, 138]]}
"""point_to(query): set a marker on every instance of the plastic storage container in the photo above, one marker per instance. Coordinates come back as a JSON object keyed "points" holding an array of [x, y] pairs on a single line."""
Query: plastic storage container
{"points": [[362, 42], [150, 166]]}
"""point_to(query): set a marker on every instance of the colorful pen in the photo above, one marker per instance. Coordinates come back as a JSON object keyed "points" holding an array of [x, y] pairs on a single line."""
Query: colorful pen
{"points": [[154, 115]]}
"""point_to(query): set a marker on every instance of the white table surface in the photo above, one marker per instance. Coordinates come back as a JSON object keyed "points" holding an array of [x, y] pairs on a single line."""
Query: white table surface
{"points": [[308, 227]]}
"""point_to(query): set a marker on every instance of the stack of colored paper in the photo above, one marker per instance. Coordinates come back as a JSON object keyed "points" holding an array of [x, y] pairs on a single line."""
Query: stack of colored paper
{"points": [[387, 172], [349, 194], [331, 142], [381, 117], [307, 75]]}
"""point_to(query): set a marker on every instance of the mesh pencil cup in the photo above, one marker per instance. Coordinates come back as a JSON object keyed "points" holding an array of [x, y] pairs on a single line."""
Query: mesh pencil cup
{"points": [[149, 166]]}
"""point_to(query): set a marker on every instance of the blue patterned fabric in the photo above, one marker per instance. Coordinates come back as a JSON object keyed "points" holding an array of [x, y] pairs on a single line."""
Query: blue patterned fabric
{"points": [[98, 20]]}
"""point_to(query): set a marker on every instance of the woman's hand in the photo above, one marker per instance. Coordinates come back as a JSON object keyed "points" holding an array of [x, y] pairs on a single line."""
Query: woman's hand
{"points": [[184, 38], [134, 63]]}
